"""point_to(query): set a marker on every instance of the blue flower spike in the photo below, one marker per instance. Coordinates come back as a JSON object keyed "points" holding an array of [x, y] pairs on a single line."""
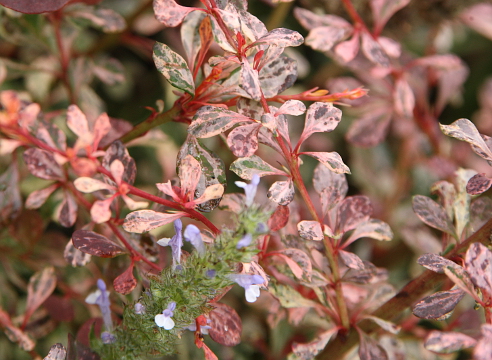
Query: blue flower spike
{"points": [[176, 242], [192, 234], [249, 189], [100, 297], [164, 320]]}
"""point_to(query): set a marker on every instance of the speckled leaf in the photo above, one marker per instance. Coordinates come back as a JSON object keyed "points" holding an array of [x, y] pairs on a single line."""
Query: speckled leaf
{"points": [[104, 19], [480, 212], [57, 352], [74, 256], [249, 108], [448, 342], [351, 260], [321, 117], [281, 37], [478, 184], [465, 130], [310, 230], [220, 38], [382, 10], [42, 164], [96, 244], [435, 262], [325, 178], [170, 13], [438, 304], [461, 278], [41, 285], [246, 167], [67, 213], [251, 27], [88, 185], [117, 151], [373, 51], [374, 229], [323, 38], [173, 67], [36, 7], [125, 282], [213, 169], [290, 298], [213, 120], [279, 218], [370, 129], [292, 107], [250, 81], [145, 220], [225, 325], [278, 75], [282, 192], [332, 160], [478, 263], [39, 197], [353, 211], [369, 349], [432, 214], [307, 351], [298, 261], [310, 20], [243, 140], [403, 98], [483, 349], [190, 35]]}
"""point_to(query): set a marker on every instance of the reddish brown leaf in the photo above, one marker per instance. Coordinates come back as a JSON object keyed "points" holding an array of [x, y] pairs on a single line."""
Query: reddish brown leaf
{"points": [[432, 214], [478, 184], [96, 244], [243, 140], [68, 211], [226, 326], [438, 304], [42, 164], [41, 285], [60, 308], [126, 282], [353, 211], [279, 218], [34, 7]]}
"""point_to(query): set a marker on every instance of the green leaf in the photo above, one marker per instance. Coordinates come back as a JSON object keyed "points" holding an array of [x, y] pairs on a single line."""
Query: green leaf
{"points": [[173, 67], [246, 167]]}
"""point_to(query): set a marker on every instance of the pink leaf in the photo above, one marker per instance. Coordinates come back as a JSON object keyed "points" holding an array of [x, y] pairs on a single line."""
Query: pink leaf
{"points": [[347, 50], [311, 349], [77, 122], [189, 175], [372, 228], [390, 46], [100, 210], [321, 117], [28, 116], [404, 100], [212, 120], [145, 220], [461, 278], [212, 192], [435, 262], [448, 342], [483, 349], [432, 214], [102, 126], [250, 81], [438, 305], [478, 184], [373, 51], [351, 260], [96, 244], [369, 349], [88, 185], [292, 107], [310, 230], [170, 13], [39, 197], [57, 352], [41, 285], [324, 38], [125, 282], [479, 18], [310, 20], [370, 129], [42, 164], [353, 211], [324, 178], [243, 140], [332, 160], [382, 10], [298, 261], [478, 263], [281, 37], [282, 192]]}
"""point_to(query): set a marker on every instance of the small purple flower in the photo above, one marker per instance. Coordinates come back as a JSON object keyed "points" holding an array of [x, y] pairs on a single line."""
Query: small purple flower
{"points": [[176, 242], [211, 273], [139, 309], [100, 297], [108, 338], [249, 189], [193, 235], [164, 320], [261, 228], [250, 283], [245, 241]]}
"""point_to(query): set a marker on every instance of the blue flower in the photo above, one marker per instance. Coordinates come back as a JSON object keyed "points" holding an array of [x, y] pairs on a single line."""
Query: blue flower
{"points": [[164, 320], [139, 308], [250, 283], [245, 241], [100, 297], [193, 235], [249, 189], [108, 338], [176, 242]]}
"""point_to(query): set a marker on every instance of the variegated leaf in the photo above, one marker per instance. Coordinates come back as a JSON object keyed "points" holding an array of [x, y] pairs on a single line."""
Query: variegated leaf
{"points": [[246, 167], [432, 214], [448, 342], [332, 160], [321, 117], [212, 120], [173, 67], [145, 220], [243, 140], [439, 304], [310, 230], [170, 13], [478, 262], [282, 192]]}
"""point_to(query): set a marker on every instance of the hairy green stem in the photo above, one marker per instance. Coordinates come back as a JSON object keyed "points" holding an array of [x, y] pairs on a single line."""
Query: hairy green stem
{"points": [[406, 297]]}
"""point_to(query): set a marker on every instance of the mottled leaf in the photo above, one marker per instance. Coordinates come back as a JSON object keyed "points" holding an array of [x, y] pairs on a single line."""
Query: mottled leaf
{"points": [[310, 230], [57, 352], [351, 260], [279, 218], [478, 184], [278, 75], [292, 107], [211, 120], [42, 164], [246, 167], [461, 278], [281, 37], [323, 38], [125, 282], [290, 298], [480, 212], [298, 261], [370, 129], [30, 7], [250, 81], [373, 50], [352, 211], [435, 262], [483, 349], [96, 244], [310, 20], [448, 342], [439, 304], [74, 256], [282, 192], [191, 35], [243, 140], [332, 160], [225, 325], [374, 229], [321, 117], [41, 285], [39, 197], [307, 351], [382, 10], [67, 212], [432, 214], [117, 151], [324, 178], [384, 324], [145, 220], [170, 13], [403, 98], [107, 20], [369, 349], [173, 67], [478, 263], [88, 185]]}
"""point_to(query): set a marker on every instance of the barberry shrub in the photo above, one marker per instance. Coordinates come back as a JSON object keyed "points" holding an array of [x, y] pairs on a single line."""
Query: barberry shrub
{"points": [[291, 184]]}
